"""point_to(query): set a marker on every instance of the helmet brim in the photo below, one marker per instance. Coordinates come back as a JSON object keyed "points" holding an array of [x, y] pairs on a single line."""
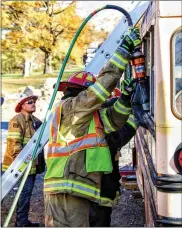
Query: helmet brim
{"points": [[63, 85], [18, 106]]}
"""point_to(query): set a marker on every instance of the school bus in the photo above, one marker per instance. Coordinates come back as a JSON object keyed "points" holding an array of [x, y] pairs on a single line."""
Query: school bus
{"points": [[159, 159]]}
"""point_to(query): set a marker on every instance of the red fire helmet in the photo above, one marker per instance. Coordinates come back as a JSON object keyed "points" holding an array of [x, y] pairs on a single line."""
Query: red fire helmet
{"points": [[80, 79]]}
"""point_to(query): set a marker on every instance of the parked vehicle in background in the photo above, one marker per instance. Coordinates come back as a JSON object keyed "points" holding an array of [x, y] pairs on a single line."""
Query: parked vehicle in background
{"points": [[90, 53], [2, 100]]}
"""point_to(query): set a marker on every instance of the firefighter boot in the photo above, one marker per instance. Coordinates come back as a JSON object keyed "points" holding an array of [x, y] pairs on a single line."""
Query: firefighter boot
{"points": [[29, 224]]}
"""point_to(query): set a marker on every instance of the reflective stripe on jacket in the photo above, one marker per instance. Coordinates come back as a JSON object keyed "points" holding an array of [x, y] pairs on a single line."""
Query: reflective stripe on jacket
{"points": [[98, 158], [58, 147]]}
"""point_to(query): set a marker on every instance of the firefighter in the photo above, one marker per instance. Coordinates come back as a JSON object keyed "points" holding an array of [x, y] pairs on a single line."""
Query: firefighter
{"points": [[78, 153], [100, 216], [20, 130]]}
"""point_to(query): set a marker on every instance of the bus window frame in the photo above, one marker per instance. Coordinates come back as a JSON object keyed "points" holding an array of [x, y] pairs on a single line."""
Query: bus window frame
{"points": [[152, 73], [148, 50], [172, 77]]}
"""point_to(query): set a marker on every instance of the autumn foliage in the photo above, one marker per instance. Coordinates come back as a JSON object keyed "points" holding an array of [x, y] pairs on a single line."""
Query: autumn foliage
{"points": [[32, 28]]}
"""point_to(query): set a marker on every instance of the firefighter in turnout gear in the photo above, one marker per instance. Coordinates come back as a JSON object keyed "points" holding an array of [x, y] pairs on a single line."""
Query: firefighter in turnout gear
{"points": [[78, 153], [20, 130], [100, 215]]}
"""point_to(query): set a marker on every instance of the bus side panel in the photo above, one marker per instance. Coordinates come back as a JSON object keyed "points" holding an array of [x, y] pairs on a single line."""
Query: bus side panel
{"points": [[169, 204], [170, 8], [164, 29], [168, 139], [168, 127]]}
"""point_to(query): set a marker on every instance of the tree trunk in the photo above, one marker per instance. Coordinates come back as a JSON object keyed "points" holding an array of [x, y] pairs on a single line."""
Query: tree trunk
{"points": [[27, 67], [47, 63]]}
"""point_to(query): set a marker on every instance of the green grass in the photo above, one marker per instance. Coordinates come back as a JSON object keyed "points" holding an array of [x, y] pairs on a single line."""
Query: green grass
{"points": [[12, 82], [12, 76]]}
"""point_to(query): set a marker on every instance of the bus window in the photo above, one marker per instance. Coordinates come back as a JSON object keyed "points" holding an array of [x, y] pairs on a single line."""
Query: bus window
{"points": [[177, 74], [152, 84], [148, 48]]}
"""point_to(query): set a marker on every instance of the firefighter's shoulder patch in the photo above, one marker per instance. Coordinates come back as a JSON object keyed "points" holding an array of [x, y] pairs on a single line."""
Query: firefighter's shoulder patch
{"points": [[15, 125]]}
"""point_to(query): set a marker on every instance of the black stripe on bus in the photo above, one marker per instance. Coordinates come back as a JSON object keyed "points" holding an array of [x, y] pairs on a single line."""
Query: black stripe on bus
{"points": [[164, 182], [169, 221]]}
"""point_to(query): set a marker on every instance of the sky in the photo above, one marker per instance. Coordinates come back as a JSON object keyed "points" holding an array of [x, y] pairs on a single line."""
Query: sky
{"points": [[90, 6], [107, 16]]}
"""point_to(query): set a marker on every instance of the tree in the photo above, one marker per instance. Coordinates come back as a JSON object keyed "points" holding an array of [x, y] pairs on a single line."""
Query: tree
{"points": [[44, 25], [13, 43]]}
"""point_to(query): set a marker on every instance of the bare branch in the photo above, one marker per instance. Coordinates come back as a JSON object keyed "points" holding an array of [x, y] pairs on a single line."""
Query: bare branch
{"points": [[15, 12], [54, 30], [43, 49], [59, 33], [51, 9], [45, 5], [62, 10]]}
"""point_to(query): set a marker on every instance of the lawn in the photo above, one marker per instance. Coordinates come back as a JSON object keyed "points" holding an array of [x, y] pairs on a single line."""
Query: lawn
{"points": [[12, 82]]}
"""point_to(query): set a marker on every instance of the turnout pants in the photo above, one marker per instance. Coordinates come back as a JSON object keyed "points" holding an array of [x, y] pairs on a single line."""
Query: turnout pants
{"points": [[99, 216], [23, 204], [64, 210]]}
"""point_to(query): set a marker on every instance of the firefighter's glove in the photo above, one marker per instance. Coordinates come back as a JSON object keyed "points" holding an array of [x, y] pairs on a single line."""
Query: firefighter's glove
{"points": [[131, 39], [127, 88]]}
